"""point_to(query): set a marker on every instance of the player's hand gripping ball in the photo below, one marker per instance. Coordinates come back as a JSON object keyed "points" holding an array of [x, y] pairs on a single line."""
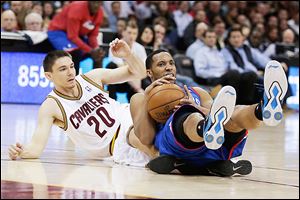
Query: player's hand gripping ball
{"points": [[162, 101]]}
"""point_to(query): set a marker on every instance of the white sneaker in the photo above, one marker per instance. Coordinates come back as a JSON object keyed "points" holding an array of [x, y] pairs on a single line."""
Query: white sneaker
{"points": [[275, 88], [220, 112]]}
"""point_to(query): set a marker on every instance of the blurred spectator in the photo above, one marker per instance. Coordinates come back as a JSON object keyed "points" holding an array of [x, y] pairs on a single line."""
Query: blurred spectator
{"points": [[48, 10], [161, 41], [231, 17], [160, 33], [209, 62], [133, 19], [288, 37], [146, 37], [287, 45], [214, 9], [243, 7], [283, 25], [189, 33], [60, 7], [261, 28], [243, 20], [121, 26], [282, 14], [162, 21], [294, 22], [211, 67], [198, 43], [143, 11], [8, 21], [182, 19], [126, 8], [27, 5], [272, 22], [255, 39], [75, 29], [246, 31], [240, 56], [247, 61], [220, 30], [197, 5], [17, 8], [162, 10], [129, 36], [37, 8], [115, 14], [263, 8], [270, 40], [48, 13], [34, 32], [34, 22], [257, 18], [226, 7]]}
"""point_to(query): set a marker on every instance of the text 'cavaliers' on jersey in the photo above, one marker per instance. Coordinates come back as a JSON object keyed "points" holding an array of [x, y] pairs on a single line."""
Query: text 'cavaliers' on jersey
{"points": [[92, 119]]}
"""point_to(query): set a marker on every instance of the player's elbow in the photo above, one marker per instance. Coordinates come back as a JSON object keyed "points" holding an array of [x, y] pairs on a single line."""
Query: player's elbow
{"points": [[145, 140]]}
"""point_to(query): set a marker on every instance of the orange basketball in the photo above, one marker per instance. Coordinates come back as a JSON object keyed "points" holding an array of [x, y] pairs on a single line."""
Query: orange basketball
{"points": [[162, 100]]}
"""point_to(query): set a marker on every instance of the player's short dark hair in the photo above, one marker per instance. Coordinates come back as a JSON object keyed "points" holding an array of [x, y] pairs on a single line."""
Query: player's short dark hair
{"points": [[149, 60], [51, 57]]}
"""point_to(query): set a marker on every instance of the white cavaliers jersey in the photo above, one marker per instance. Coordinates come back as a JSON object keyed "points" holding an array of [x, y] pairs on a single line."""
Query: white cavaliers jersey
{"points": [[93, 119]]}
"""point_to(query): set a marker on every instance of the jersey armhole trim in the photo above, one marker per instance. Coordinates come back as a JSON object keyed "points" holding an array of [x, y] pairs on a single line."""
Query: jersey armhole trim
{"points": [[62, 111], [92, 82]]}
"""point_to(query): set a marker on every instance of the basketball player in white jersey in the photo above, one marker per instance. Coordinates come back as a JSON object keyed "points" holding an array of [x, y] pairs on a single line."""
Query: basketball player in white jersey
{"points": [[89, 117]]}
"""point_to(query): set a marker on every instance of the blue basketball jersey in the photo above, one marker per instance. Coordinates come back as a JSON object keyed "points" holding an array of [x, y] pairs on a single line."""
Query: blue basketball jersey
{"points": [[167, 144]]}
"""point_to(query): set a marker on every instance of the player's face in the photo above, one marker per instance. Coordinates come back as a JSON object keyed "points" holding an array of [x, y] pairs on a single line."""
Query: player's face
{"points": [[163, 65], [63, 73]]}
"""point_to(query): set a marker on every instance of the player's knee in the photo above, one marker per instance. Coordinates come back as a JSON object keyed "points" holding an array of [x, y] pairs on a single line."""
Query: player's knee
{"points": [[180, 134]]}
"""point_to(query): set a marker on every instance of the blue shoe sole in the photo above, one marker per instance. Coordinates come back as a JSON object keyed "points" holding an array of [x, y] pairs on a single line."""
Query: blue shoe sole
{"points": [[275, 86], [220, 114]]}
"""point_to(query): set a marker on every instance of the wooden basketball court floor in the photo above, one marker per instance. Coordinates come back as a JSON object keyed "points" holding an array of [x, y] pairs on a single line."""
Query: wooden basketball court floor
{"points": [[63, 171]]}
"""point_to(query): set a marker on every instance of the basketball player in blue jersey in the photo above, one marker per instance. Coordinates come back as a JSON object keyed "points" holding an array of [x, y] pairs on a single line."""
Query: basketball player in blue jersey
{"points": [[89, 117], [203, 134]]}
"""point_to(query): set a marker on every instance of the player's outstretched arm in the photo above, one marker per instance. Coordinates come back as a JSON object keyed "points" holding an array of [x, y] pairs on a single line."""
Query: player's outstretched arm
{"points": [[135, 70], [40, 137]]}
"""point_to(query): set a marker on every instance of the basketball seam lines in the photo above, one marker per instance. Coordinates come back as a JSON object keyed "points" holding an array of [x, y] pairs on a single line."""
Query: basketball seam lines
{"points": [[168, 102]]}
